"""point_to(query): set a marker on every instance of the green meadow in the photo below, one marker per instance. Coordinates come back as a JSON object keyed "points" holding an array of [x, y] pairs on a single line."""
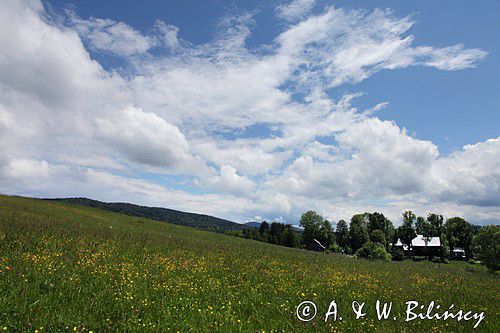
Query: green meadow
{"points": [[66, 268]]}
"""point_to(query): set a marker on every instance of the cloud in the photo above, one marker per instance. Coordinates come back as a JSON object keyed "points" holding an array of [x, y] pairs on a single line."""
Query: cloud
{"points": [[244, 131], [294, 10], [43, 63], [42, 179], [350, 46], [114, 37], [50, 87], [168, 35], [248, 158], [143, 137], [120, 39], [450, 58], [470, 176], [230, 182], [27, 170]]}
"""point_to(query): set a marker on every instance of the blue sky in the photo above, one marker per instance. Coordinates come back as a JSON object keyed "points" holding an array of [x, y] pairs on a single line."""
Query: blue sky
{"points": [[451, 109], [255, 109]]}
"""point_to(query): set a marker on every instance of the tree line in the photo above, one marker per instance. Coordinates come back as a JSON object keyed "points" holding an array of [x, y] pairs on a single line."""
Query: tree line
{"points": [[372, 236], [274, 233]]}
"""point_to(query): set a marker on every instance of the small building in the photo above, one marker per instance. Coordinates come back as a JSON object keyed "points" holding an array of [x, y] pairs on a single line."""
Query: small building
{"points": [[316, 246], [458, 253], [422, 246], [426, 246], [401, 245]]}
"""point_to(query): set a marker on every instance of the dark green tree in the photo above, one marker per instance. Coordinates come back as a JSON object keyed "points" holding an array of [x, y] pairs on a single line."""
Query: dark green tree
{"points": [[275, 232], [420, 225], [378, 236], [326, 234], [445, 248], [391, 232], [397, 254], [406, 231], [374, 251], [342, 234], [436, 224], [264, 227], [459, 234], [378, 221], [315, 227], [289, 237], [487, 246], [311, 222], [358, 232]]}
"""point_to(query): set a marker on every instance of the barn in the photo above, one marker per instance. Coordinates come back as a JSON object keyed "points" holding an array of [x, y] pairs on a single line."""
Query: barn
{"points": [[422, 246], [426, 246]]}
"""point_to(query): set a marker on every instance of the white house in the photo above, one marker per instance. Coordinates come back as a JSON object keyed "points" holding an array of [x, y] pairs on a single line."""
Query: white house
{"points": [[421, 241], [421, 245]]}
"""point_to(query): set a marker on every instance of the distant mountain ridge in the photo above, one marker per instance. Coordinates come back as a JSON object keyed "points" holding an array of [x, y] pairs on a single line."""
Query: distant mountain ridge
{"points": [[253, 224], [198, 221]]}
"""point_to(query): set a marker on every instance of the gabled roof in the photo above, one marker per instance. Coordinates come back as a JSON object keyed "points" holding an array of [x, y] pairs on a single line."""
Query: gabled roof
{"points": [[317, 241], [398, 243], [420, 240]]}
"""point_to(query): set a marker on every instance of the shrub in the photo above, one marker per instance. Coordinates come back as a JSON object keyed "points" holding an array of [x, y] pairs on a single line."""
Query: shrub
{"points": [[373, 251], [439, 260], [335, 248], [397, 254]]}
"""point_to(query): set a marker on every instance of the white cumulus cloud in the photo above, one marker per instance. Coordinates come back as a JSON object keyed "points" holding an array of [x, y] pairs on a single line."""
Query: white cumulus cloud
{"points": [[223, 118]]}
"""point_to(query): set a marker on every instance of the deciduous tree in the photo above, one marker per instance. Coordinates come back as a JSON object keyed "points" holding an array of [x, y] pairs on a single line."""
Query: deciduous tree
{"points": [[487, 246], [311, 222], [358, 231], [459, 234], [342, 234], [406, 231]]}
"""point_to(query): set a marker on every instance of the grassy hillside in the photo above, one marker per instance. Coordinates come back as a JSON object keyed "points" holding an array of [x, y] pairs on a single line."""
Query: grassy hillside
{"points": [[199, 221], [70, 268]]}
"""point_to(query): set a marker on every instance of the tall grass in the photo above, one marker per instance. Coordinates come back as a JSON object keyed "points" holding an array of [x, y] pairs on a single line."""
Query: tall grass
{"points": [[70, 268]]}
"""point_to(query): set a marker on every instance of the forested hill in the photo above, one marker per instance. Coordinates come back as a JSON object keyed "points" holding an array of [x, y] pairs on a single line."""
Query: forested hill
{"points": [[253, 224], [198, 221]]}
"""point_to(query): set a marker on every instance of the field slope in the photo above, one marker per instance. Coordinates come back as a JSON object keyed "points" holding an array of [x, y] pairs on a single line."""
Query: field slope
{"points": [[198, 221], [70, 268]]}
